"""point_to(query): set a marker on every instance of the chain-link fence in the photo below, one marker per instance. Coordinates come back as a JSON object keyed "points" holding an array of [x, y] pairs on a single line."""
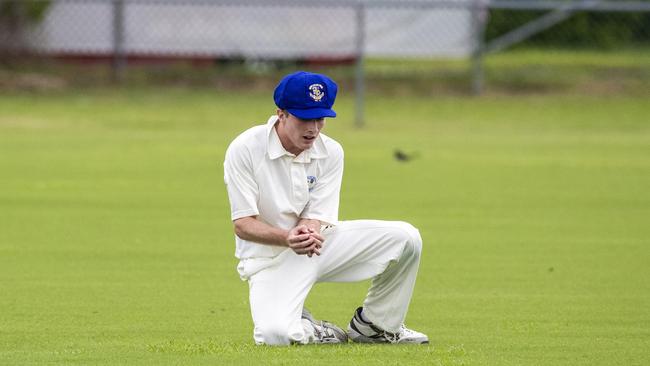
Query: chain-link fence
{"points": [[270, 29], [379, 40]]}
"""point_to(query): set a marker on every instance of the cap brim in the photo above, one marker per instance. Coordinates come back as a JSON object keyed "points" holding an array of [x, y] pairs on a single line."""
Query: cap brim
{"points": [[312, 113]]}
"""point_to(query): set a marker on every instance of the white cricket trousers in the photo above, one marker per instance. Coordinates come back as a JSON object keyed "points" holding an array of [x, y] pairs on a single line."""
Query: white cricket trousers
{"points": [[386, 251]]}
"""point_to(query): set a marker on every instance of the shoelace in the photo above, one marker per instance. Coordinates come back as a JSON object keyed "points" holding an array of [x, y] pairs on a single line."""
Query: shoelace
{"points": [[395, 337], [321, 331], [404, 332], [380, 333], [392, 337]]}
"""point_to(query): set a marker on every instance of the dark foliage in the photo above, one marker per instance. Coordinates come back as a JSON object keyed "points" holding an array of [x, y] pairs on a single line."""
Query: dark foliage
{"points": [[601, 30]]}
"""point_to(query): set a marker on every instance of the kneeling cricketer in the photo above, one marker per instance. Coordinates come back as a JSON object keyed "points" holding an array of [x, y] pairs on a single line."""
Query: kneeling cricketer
{"points": [[283, 180]]}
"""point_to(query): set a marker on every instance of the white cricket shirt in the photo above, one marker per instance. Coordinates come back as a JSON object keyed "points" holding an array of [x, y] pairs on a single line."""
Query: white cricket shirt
{"points": [[265, 180]]}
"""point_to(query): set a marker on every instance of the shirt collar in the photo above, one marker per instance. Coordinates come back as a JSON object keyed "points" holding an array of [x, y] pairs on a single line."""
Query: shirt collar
{"points": [[276, 150]]}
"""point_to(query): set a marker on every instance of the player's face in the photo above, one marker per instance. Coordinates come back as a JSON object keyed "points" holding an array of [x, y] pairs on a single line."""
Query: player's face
{"points": [[298, 134]]}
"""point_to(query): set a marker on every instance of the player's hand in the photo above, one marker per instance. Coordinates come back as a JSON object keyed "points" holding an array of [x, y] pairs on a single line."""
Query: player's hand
{"points": [[303, 240], [319, 239]]}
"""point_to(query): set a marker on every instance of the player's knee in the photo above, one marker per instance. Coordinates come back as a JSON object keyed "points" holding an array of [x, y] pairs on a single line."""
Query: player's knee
{"points": [[413, 239], [272, 334]]}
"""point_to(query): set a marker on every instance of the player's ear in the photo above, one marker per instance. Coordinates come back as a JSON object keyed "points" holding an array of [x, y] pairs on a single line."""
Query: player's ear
{"points": [[281, 114]]}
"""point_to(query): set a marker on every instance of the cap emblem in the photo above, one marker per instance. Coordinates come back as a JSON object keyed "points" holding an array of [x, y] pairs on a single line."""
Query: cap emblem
{"points": [[316, 92]]}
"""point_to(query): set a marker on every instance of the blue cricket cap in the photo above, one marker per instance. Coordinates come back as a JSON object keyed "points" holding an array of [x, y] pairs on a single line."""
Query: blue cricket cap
{"points": [[306, 95]]}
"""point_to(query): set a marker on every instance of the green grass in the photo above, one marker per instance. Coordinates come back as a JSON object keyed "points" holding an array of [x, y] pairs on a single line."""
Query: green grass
{"points": [[514, 72], [521, 71], [116, 246]]}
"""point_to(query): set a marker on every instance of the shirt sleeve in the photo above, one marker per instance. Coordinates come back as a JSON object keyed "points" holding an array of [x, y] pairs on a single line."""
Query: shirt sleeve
{"points": [[323, 202], [239, 176]]}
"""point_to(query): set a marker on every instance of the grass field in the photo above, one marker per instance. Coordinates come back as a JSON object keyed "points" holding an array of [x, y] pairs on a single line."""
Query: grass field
{"points": [[116, 246], [516, 72]]}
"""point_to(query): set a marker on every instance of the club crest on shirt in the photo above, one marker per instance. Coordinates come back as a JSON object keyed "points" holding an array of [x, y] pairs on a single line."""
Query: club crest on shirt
{"points": [[311, 181], [316, 92]]}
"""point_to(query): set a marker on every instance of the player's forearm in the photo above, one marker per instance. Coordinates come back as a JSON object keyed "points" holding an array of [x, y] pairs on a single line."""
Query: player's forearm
{"points": [[252, 229]]}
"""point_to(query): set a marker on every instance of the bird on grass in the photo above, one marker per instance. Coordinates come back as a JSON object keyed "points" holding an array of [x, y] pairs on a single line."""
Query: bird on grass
{"points": [[401, 156]]}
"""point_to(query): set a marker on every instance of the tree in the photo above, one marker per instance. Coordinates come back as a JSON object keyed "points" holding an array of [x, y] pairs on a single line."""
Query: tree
{"points": [[16, 17]]}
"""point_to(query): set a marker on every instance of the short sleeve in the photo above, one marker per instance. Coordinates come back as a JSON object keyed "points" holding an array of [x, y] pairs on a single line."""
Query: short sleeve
{"points": [[323, 202], [243, 191]]}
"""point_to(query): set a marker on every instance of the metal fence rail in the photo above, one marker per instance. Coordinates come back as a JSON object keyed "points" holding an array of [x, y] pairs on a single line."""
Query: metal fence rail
{"points": [[306, 29]]}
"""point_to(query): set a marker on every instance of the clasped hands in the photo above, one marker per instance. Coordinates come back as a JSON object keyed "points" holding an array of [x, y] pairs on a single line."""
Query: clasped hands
{"points": [[305, 240]]}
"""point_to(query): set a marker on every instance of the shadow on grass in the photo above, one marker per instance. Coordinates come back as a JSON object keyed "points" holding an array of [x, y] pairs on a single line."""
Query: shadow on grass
{"points": [[346, 353]]}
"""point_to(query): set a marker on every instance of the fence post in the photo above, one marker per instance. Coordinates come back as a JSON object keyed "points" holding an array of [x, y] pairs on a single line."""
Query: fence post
{"points": [[119, 56], [479, 20], [359, 72]]}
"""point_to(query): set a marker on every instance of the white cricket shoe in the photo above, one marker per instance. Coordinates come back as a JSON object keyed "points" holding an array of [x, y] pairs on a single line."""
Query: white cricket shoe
{"points": [[324, 331], [362, 331]]}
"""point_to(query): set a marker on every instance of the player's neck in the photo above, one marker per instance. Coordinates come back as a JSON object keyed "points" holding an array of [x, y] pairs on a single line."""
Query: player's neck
{"points": [[286, 141]]}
